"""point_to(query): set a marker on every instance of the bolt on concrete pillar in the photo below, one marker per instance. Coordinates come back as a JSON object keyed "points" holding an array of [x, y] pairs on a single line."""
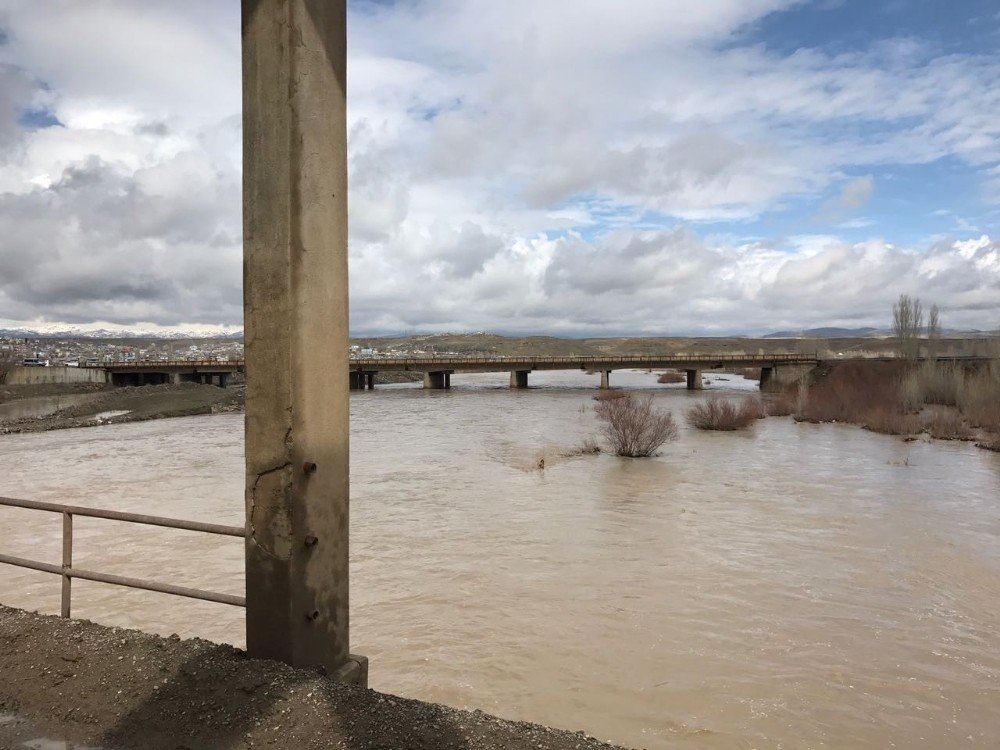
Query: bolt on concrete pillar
{"points": [[519, 379], [296, 320], [693, 380], [605, 379]]}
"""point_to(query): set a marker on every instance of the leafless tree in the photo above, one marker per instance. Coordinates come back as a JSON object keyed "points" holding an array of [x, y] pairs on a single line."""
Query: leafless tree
{"points": [[907, 322], [634, 426], [933, 330]]}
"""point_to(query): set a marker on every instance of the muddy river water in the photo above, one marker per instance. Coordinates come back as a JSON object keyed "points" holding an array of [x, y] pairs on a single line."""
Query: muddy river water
{"points": [[794, 586]]}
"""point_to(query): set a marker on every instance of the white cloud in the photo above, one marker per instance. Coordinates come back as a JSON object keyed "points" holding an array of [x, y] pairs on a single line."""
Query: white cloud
{"points": [[505, 160]]}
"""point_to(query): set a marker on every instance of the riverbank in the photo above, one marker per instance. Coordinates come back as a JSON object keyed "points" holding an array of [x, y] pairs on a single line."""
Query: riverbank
{"points": [[117, 688], [941, 401], [97, 405]]}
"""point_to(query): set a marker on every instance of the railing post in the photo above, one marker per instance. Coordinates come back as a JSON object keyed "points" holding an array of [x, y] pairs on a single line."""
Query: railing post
{"points": [[67, 562]]}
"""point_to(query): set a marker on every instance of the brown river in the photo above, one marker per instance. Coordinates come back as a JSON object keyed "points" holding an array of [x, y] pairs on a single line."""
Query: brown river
{"points": [[797, 586]]}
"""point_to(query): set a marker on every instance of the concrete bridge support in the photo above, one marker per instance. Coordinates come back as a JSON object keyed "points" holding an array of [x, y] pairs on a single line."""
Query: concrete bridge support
{"points": [[766, 378], [693, 380], [437, 381], [296, 322], [605, 379], [519, 378], [356, 381]]}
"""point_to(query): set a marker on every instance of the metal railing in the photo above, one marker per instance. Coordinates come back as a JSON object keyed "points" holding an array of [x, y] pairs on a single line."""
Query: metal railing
{"points": [[68, 572]]}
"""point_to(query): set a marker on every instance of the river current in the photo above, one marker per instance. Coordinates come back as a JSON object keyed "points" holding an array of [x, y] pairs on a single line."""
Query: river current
{"points": [[794, 586]]}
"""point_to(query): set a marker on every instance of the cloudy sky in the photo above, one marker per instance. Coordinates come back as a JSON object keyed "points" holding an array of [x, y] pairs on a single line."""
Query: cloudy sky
{"points": [[550, 166]]}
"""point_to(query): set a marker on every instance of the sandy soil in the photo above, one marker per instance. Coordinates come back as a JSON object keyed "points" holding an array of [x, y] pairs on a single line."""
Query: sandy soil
{"points": [[115, 688]]}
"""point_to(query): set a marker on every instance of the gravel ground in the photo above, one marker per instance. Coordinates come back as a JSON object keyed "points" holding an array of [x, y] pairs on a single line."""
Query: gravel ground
{"points": [[115, 688]]}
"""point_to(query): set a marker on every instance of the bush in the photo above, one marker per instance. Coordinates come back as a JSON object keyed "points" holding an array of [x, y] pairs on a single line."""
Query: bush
{"points": [[633, 426], [721, 414], [672, 377], [780, 405]]}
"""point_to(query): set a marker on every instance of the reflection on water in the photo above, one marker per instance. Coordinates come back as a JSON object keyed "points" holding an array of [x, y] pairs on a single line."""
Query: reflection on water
{"points": [[800, 585]]}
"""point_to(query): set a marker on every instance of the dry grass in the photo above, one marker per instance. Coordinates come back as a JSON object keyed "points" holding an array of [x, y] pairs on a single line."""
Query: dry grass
{"points": [[722, 414], [672, 377], [933, 383], [854, 392], [634, 426], [945, 424], [891, 422], [980, 399]]}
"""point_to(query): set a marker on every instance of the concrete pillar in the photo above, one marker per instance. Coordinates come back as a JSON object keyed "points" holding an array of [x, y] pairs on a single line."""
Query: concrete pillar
{"points": [[693, 380], [766, 377], [296, 322], [356, 381], [605, 379], [370, 380], [223, 379], [436, 381], [447, 380], [519, 379]]}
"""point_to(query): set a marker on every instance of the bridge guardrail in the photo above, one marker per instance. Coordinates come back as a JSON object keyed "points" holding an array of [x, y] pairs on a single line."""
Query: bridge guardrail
{"points": [[68, 572]]}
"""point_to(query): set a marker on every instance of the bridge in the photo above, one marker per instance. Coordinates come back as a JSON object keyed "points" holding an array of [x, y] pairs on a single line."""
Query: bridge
{"points": [[159, 372], [437, 371]]}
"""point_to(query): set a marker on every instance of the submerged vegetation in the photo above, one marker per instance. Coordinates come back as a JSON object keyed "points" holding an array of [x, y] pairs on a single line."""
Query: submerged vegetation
{"points": [[722, 414], [633, 426]]}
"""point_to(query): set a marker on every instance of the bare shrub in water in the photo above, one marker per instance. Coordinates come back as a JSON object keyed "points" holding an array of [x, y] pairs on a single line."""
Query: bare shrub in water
{"points": [[634, 426], [722, 414], [780, 405], [671, 377], [609, 395]]}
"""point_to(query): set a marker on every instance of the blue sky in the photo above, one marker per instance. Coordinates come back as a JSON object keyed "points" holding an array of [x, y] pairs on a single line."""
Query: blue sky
{"points": [[570, 167]]}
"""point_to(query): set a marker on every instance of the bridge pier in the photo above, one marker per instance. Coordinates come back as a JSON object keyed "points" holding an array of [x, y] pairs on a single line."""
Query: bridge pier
{"points": [[605, 379], [370, 380], [519, 378], [356, 381], [437, 381], [766, 378], [693, 380]]}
